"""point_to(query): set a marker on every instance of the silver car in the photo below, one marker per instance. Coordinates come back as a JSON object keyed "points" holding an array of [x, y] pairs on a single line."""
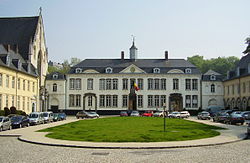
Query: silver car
{"points": [[5, 123], [135, 114]]}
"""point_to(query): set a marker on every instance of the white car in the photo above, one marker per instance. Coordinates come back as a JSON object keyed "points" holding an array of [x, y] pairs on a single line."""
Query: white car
{"points": [[135, 114], [184, 114], [158, 114], [174, 115], [36, 118], [48, 117], [5, 123]]}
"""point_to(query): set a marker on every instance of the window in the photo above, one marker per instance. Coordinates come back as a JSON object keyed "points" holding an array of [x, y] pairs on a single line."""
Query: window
{"points": [[108, 101], [102, 101], [74, 100], [228, 90], [78, 100], [163, 100], [54, 87], [175, 84], [55, 76], [78, 84], [7, 81], [188, 71], [13, 82], [188, 101], [78, 70], [115, 84], [124, 84], [102, 84], [108, 84], [33, 87], [19, 83], [18, 102], [7, 101], [89, 100], [163, 84], [156, 70], [1, 101], [238, 88], [195, 101], [150, 101], [115, 100], [195, 84], [13, 100], [132, 82], [212, 77], [71, 100], [233, 89], [140, 84], [23, 103], [1, 79], [140, 101], [71, 84], [28, 85], [124, 100], [109, 70], [244, 87], [212, 88], [150, 84], [157, 84], [188, 84], [24, 85], [90, 84], [157, 101], [28, 103]]}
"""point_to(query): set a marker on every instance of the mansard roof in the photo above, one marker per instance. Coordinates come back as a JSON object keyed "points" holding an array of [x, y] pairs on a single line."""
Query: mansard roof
{"points": [[209, 73], [60, 76], [145, 64], [18, 31]]}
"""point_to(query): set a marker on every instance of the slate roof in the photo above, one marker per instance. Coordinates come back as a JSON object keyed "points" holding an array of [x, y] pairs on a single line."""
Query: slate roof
{"points": [[209, 73], [14, 58], [20, 31], [145, 64], [60, 76]]}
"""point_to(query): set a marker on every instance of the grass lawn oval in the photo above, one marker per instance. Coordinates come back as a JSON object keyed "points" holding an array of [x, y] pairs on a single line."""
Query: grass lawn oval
{"points": [[131, 129]]}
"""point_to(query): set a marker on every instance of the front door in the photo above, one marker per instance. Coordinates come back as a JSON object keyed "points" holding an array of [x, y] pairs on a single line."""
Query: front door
{"points": [[175, 102], [54, 108]]}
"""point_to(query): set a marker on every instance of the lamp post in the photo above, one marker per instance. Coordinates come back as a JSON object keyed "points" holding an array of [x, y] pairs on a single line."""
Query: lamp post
{"points": [[164, 116]]}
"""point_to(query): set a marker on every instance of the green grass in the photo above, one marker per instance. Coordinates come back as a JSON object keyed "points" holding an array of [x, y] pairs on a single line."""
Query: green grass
{"points": [[131, 129]]}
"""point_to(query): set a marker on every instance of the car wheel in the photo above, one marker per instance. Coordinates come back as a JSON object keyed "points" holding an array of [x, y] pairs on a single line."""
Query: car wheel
{"points": [[242, 123]]}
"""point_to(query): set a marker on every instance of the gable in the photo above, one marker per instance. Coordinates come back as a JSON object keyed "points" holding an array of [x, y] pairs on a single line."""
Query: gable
{"points": [[132, 69]]}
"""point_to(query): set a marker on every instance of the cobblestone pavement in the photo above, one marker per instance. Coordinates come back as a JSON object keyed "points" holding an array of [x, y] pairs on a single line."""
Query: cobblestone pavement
{"points": [[15, 151]]}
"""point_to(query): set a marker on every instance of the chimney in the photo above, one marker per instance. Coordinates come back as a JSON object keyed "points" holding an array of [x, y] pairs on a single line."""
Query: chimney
{"points": [[166, 55], [122, 55], [16, 48]]}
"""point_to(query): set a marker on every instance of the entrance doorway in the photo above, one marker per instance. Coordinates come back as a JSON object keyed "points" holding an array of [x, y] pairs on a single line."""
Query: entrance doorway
{"points": [[54, 108], [175, 102]]}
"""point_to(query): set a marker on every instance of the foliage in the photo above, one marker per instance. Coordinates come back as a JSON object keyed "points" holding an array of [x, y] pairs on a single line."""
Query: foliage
{"points": [[220, 64], [2, 113], [131, 129], [12, 110], [66, 66], [20, 112], [248, 45], [6, 111]]}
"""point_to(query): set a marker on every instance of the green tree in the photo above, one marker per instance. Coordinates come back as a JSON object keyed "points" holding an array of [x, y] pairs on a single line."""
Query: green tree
{"points": [[66, 66], [248, 45]]}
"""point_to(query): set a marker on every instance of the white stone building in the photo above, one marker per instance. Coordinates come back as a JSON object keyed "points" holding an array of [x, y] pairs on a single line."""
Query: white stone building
{"points": [[104, 85], [212, 89]]}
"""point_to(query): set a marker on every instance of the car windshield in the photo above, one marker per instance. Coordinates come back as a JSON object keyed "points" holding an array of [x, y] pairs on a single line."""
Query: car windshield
{"points": [[33, 116], [205, 113], [175, 113], [16, 118], [135, 112], [123, 112], [45, 114]]}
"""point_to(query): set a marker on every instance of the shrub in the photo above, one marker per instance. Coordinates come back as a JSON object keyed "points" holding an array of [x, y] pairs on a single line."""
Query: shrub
{"points": [[20, 112], [12, 110], [1, 112], [6, 111]]}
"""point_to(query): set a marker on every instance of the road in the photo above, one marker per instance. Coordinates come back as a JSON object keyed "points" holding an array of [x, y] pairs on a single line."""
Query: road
{"points": [[15, 151]]}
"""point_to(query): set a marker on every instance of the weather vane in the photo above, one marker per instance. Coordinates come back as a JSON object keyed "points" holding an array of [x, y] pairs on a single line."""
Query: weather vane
{"points": [[40, 10], [133, 37]]}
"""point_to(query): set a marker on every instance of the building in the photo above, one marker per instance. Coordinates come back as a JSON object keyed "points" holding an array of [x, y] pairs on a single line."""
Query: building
{"points": [[237, 85], [24, 57], [107, 85], [212, 89]]}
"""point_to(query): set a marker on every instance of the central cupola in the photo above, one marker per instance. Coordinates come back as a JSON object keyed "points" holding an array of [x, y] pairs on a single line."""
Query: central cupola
{"points": [[133, 51]]}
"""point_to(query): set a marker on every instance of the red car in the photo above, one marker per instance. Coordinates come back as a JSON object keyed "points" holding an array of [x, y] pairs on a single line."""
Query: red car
{"points": [[148, 114], [123, 114]]}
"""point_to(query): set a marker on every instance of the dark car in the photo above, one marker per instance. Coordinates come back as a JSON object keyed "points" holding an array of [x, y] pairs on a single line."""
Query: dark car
{"points": [[84, 114], [221, 117], [246, 115], [203, 115], [55, 117], [19, 121], [234, 118], [61, 116], [123, 114]]}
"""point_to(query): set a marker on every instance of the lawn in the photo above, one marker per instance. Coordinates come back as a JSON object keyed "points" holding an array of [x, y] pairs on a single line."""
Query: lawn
{"points": [[131, 129]]}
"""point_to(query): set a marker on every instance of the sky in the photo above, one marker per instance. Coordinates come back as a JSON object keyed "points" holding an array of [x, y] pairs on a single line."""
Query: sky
{"points": [[102, 28]]}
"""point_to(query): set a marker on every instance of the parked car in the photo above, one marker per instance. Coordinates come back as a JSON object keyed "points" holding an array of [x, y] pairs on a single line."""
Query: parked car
{"points": [[84, 114], [123, 114], [36, 118], [203, 115], [135, 113], [221, 117], [5, 123], [246, 115], [62, 116], [234, 118], [184, 114], [174, 115], [55, 117], [19, 121], [148, 113], [248, 129], [214, 109], [158, 114], [48, 117]]}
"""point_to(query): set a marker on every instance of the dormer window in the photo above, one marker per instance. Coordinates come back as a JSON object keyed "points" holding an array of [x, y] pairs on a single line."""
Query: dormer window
{"points": [[188, 71], [212, 77], [109, 70], [157, 70], [78, 70], [55, 76]]}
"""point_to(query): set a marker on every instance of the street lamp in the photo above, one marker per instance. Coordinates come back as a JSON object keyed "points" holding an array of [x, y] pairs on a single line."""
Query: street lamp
{"points": [[164, 116]]}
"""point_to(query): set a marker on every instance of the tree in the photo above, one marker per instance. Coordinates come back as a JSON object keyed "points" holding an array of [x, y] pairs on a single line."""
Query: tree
{"points": [[66, 66], [12, 110], [248, 45], [6, 111]]}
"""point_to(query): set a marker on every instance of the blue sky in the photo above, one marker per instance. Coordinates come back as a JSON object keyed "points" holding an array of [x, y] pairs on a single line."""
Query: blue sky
{"points": [[101, 29]]}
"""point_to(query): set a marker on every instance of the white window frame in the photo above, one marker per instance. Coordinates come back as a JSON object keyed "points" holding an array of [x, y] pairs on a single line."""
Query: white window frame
{"points": [[157, 70], [78, 70], [188, 71], [109, 70]]}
